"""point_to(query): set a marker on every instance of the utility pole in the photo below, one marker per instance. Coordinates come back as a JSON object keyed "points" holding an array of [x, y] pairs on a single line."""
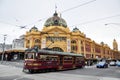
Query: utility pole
{"points": [[3, 47]]}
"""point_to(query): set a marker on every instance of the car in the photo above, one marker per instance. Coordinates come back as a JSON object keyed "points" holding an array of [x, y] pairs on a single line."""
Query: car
{"points": [[118, 63], [112, 63], [102, 65]]}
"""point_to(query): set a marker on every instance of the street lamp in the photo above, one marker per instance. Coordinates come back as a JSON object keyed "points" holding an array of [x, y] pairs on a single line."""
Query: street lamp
{"points": [[3, 47], [112, 23]]}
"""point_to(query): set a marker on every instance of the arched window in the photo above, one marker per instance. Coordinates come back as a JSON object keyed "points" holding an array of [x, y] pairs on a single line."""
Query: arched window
{"points": [[28, 41], [73, 41], [57, 49], [37, 41], [73, 46], [56, 22]]}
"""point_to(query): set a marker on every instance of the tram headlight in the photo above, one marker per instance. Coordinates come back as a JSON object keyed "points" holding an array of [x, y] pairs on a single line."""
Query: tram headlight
{"points": [[25, 64]]}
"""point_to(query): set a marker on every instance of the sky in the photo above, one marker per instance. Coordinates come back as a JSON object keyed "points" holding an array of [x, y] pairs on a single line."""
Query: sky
{"points": [[89, 16]]}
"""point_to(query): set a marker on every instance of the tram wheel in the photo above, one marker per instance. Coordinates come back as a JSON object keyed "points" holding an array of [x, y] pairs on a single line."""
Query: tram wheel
{"points": [[31, 71]]}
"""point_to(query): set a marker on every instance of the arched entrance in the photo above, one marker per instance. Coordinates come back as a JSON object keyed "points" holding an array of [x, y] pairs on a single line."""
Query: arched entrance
{"points": [[57, 49]]}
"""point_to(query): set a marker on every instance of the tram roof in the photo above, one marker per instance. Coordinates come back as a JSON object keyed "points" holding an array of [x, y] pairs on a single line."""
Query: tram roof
{"points": [[50, 52], [59, 53]]}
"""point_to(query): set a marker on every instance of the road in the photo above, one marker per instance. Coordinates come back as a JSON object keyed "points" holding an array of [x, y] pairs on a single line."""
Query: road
{"points": [[13, 71], [112, 71]]}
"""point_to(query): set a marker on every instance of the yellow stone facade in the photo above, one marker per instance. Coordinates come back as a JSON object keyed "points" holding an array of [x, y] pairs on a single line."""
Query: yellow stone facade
{"points": [[56, 35]]}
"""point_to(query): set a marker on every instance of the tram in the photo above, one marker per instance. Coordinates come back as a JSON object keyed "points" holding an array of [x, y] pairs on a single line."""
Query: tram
{"points": [[47, 60]]}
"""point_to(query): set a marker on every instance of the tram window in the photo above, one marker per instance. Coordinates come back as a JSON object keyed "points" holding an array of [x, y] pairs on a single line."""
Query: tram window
{"points": [[78, 58], [54, 58], [51, 58], [47, 58], [67, 58], [29, 56], [42, 57]]}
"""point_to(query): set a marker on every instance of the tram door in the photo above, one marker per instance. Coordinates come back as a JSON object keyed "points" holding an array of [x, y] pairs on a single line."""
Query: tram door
{"points": [[61, 60], [74, 60]]}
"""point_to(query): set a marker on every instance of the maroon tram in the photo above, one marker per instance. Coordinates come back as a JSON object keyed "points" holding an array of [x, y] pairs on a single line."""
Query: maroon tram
{"points": [[45, 60]]}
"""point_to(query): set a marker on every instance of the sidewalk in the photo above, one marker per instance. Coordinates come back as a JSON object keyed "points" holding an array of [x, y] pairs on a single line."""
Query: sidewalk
{"points": [[18, 64]]}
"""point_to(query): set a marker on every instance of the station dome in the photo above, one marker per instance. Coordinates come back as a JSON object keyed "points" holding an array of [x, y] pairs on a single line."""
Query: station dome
{"points": [[34, 29], [75, 29], [55, 21]]}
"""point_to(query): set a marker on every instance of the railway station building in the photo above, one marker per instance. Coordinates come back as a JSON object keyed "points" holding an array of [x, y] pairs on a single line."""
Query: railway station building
{"points": [[57, 36]]}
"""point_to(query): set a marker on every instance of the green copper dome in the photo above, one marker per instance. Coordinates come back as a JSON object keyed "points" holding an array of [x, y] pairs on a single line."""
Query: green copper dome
{"points": [[75, 29], [55, 21], [34, 28]]}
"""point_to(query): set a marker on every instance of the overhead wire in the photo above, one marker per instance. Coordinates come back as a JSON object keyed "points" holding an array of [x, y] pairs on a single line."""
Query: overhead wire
{"points": [[77, 6], [64, 10], [47, 17], [7, 23], [21, 25], [95, 20]]}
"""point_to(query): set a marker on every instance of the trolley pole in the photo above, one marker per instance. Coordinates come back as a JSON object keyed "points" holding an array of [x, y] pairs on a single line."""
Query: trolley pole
{"points": [[49, 37], [3, 48]]}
